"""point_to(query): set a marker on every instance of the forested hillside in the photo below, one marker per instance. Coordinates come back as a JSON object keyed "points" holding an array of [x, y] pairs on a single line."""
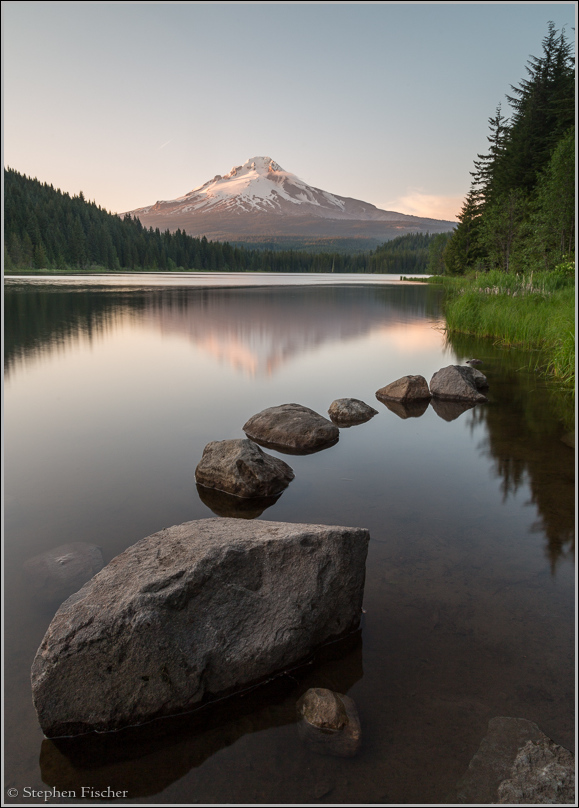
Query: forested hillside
{"points": [[520, 212], [45, 228]]}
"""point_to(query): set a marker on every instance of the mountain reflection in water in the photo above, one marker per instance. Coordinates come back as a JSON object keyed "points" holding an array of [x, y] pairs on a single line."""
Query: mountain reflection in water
{"points": [[254, 330]]}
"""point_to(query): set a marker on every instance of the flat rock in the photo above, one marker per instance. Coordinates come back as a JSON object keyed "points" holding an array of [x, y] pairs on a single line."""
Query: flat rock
{"points": [[543, 772], [405, 390], [241, 468], [58, 573], [497, 760], [195, 611], [291, 428], [328, 722], [350, 411], [458, 383]]}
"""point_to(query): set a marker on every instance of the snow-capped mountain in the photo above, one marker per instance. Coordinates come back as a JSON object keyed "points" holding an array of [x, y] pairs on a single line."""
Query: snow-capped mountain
{"points": [[260, 198]]}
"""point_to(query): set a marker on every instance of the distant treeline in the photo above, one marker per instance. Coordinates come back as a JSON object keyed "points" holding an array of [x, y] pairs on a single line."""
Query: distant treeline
{"points": [[45, 228]]}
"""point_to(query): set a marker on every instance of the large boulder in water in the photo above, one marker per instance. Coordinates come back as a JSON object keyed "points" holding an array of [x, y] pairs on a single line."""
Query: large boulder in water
{"points": [[458, 383], [291, 428], [405, 390], [56, 574], [240, 467], [346, 412], [195, 611]]}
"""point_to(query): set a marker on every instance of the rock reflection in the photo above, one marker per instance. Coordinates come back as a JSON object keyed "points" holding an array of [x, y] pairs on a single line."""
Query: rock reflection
{"points": [[412, 409], [450, 410], [291, 450], [223, 504], [145, 760], [524, 441]]}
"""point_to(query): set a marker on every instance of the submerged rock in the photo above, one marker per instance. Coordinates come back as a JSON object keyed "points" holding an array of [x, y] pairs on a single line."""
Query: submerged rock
{"points": [[58, 573], [458, 383], [350, 411], [405, 390], [543, 772], [328, 723], [291, 428], [240, 467], [569, 439], [512, 764], [195, 611]]}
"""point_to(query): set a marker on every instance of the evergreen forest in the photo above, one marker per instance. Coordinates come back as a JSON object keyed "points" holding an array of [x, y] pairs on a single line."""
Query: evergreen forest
{"points": [[45, 228], [519, 214]]}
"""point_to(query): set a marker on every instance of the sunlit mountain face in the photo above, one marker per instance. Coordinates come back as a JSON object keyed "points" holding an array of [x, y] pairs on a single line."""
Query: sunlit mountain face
{"points": [[260, 198]]}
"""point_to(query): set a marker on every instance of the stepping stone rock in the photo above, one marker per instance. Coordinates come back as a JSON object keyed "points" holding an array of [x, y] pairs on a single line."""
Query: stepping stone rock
{"points": [[58, 573], [405, 390], [194, 612], [240, 467], [291, 428], [328, 723], [458, 383], [350, 411]]}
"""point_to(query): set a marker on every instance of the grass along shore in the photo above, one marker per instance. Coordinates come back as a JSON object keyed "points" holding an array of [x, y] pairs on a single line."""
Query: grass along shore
{"points": [[535, 311]]}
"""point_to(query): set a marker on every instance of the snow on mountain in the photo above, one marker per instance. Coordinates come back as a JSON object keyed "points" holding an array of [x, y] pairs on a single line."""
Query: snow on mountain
{"points": [[260, 197]]}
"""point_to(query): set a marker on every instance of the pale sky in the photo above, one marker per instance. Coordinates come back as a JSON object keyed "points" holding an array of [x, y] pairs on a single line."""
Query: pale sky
{"points": [[384, 102]]}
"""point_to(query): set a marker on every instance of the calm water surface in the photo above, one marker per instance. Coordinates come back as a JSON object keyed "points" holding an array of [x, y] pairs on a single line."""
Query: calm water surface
{"points": [[112, 390]]}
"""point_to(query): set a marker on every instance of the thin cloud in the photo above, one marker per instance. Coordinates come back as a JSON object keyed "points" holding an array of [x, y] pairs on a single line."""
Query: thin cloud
{"points": [[432, 206], [166, 144]]}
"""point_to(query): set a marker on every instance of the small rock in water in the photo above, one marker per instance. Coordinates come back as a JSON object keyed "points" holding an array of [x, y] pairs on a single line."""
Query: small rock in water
{"points": [[292, 428], [350, 411], [405, 390], [474, 361], [329, 723], [457, 383], [240, 467], [58, 573]]}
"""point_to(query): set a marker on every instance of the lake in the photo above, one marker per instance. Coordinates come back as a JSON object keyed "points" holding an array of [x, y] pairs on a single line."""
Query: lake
{"points": [[113, 386]]}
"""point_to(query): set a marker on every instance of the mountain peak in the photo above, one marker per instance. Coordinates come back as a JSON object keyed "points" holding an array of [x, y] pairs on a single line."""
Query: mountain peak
{"points": [[261, 197], [258, 165]]}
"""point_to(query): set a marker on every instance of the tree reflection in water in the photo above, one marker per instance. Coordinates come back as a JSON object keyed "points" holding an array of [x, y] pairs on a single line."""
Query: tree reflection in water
{"points": [[524, 440]]}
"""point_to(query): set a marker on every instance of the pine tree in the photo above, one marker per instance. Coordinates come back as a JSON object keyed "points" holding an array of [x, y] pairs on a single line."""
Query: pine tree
{"points": [[463, 251]]}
